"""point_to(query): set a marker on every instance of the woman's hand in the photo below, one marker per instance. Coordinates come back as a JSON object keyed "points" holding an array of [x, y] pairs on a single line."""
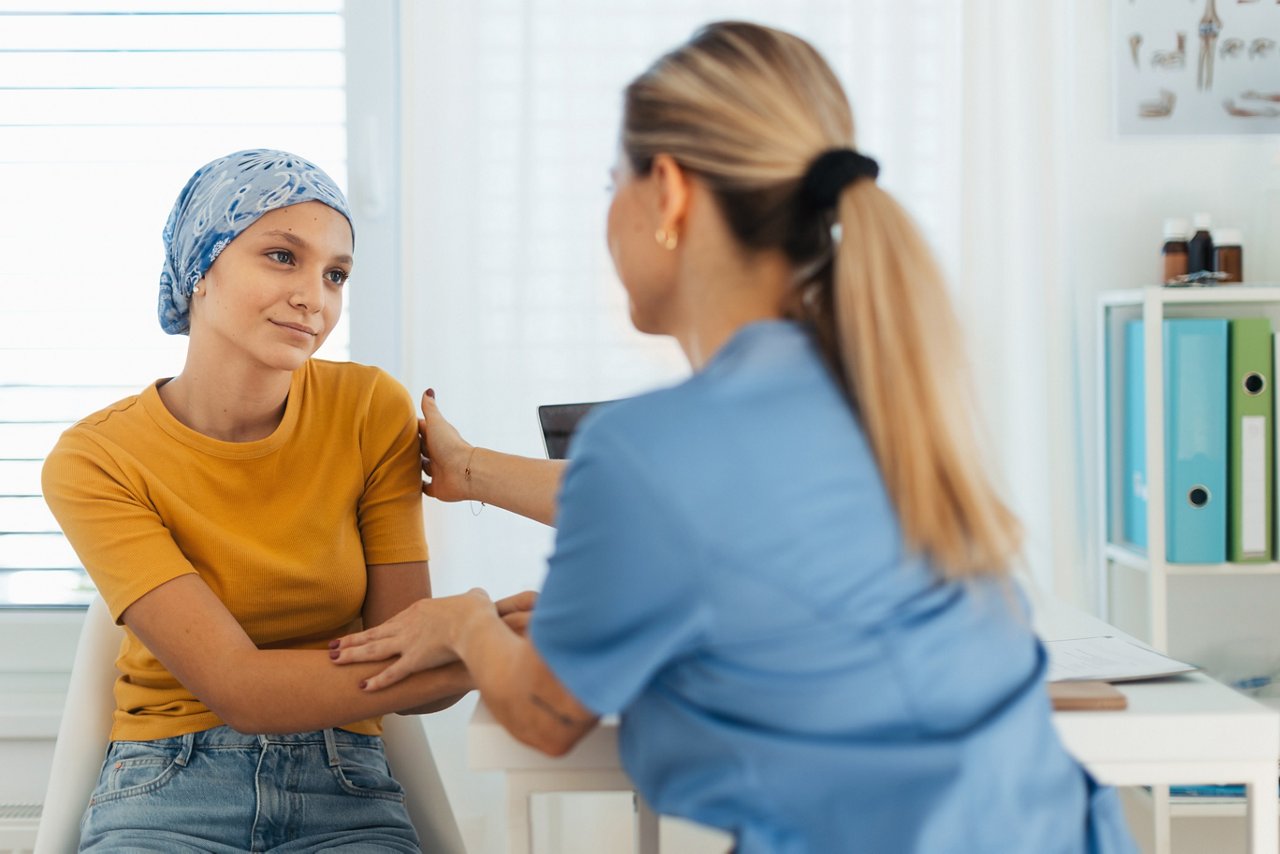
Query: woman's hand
{"points": [[516, 611], [445, 454], [420, 637]]}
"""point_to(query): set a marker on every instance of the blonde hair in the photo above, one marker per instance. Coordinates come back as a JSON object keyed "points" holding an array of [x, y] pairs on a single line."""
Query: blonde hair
{"points": [[747, 109]]}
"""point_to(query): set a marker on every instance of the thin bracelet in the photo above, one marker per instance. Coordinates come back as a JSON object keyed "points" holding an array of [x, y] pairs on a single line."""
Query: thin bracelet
{"points": [[466, 475]]}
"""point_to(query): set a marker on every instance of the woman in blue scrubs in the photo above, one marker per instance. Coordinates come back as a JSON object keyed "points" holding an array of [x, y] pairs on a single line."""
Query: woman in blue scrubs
{"points": [[788, 574]]}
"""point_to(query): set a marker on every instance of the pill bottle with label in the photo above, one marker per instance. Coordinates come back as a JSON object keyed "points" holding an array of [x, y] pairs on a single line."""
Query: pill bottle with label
{"points": [[1228, 255], [1174, 254]]}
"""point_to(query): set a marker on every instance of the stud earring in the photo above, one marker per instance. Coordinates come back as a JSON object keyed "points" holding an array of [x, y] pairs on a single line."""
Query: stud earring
{"points": [[667, 239], [195, 291]]}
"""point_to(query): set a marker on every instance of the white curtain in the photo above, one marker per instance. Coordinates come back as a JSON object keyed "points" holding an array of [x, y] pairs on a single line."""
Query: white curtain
{"points": [[510, 113], [1014, 295]]}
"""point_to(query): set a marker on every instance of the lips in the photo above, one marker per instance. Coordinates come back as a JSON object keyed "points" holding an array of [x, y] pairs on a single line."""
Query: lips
{"points": [[297, 327]]}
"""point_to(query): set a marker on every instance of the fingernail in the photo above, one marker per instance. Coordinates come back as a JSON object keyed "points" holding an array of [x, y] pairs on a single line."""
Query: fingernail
{"points": [[333, 644], [364, 683], [431, 393], [333, 654]]}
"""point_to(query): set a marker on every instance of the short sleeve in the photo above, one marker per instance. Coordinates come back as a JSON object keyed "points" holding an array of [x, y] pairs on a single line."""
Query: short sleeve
{"points": [[390, 507], [621, 598], [118, 536]]}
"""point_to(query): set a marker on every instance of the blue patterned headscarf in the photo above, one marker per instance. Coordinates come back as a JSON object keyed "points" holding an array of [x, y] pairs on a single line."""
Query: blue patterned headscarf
{"points": [[220, 201]]}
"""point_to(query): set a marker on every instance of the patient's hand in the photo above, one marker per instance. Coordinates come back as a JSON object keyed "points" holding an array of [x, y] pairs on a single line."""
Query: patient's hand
{"points": [[445, 454], [516, 611], [418, 638]]}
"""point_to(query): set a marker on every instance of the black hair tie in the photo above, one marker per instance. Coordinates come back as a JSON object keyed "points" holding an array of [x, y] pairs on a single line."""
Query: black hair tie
{"points": [[831, 172]]}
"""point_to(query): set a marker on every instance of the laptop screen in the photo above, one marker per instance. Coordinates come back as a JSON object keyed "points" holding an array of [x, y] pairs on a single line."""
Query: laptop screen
{"points": [[558, 421]]}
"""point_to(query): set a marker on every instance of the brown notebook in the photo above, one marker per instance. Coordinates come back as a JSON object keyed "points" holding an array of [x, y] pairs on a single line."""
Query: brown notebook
{"points": [[1086, 697]]}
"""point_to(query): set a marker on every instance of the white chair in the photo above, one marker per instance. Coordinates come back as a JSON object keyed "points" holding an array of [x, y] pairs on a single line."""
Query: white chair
{"points": [[86, 726]]}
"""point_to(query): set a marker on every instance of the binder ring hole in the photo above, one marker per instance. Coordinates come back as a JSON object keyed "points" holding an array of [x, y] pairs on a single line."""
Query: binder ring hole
{"points": [[1198, 496], [1254, 383]]}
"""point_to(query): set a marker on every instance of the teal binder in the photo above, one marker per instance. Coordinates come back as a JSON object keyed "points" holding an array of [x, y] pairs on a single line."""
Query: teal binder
{"points": [[1195, 409], [1250, 412], [1134, 446]]}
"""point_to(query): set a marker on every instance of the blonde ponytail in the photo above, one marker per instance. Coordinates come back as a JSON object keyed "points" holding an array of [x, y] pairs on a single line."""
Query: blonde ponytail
{"points": [[901, 356], [749, 109]]}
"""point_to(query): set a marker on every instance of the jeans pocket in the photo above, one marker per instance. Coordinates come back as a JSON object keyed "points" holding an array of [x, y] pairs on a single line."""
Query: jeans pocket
{"points": [[363, 770], [136, 768]]}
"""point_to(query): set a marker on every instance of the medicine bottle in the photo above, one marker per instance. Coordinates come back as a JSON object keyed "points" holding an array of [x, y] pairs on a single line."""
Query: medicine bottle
{"points": [[1228, 255], [1174, 253], [1200, 247]]}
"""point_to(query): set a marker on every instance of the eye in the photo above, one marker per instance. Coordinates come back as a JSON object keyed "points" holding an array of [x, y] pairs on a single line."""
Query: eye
{"points": [[282, 256], [338, 276]]}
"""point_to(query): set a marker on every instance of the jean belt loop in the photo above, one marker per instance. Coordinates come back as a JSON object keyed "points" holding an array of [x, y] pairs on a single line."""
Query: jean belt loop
{"points": [[188, 745], [331, 747]]}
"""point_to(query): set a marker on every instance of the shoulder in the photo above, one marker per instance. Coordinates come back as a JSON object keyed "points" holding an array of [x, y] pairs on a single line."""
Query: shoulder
{"points": [[114, 423], [96, 438], [642, 423], [364, 385], [633, 449], [325, 373]]}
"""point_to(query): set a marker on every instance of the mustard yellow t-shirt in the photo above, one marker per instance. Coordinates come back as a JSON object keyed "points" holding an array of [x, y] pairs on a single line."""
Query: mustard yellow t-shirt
{"points": [[282, 529]]}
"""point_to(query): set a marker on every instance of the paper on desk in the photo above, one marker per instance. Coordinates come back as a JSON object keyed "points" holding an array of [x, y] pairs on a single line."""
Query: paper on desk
{"points": [[1109, 659]]}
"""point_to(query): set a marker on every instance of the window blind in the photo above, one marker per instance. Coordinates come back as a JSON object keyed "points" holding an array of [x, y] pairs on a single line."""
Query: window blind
{"points": [[105, 111]]}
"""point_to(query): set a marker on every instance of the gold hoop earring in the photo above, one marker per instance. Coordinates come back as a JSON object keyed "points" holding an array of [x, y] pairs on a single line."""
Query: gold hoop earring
{"points": [[666, 239]]}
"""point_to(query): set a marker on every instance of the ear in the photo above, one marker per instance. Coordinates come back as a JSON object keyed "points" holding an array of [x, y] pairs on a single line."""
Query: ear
{"points": [[673, 191]]}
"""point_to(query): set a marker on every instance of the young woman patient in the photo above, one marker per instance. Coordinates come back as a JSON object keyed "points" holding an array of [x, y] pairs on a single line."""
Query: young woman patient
{"points": [[789, 574], [236, 518]]}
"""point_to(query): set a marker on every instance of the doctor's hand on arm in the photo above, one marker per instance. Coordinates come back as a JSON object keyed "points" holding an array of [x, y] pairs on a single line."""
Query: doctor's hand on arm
{"points": [[455, 470], [516, 684]]}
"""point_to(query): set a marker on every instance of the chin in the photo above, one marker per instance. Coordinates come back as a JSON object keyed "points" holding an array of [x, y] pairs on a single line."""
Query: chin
{"points": [[645, 324]]}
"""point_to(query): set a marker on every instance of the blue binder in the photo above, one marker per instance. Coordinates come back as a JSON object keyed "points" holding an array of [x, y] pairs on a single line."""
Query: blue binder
{"points": [[1134, 448], [1195, 427]]}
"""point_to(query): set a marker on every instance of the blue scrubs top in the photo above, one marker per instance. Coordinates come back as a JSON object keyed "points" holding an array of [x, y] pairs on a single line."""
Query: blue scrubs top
{"points": [[730, 576]]}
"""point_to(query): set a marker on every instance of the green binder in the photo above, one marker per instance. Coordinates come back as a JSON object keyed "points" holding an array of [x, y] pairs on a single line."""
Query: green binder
{"points": [[1252, 442]]}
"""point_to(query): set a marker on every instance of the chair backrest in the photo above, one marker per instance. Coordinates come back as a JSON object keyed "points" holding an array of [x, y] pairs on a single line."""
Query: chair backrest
{"points": [[409, 755], [85, 731]]}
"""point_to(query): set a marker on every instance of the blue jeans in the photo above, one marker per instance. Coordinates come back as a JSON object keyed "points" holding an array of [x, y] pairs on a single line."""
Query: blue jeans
{"points": [[221, 791]]}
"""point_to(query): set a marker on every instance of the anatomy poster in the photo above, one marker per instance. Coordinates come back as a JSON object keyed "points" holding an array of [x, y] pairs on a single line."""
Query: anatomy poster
{"points": [[1197, 66]]}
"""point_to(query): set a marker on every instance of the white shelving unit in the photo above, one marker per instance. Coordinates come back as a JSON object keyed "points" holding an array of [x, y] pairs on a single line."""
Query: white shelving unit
{"points": [[1153, 305]]}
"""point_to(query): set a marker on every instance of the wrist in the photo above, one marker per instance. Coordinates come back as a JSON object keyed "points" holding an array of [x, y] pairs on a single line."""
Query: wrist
{"points": [[469, 472], [471, 624]]}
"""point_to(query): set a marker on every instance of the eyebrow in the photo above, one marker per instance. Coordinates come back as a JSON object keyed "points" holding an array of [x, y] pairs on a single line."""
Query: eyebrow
{"points": [[289, 237]]}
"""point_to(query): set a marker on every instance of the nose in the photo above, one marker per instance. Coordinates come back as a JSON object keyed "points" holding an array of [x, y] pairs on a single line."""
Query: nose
{"points": [[309, 294]]}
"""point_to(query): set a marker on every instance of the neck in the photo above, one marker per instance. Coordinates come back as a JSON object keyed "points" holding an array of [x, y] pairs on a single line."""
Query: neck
{"points": [[229, 403], [727, 292]]}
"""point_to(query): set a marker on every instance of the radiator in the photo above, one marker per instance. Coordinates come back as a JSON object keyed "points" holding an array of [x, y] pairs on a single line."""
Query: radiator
{"points": [[18, 827]]}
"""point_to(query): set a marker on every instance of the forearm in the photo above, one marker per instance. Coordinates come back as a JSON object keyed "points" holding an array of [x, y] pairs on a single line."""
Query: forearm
{"points": [[519, 689], [433, 707], [522, 485], [277, 691]]}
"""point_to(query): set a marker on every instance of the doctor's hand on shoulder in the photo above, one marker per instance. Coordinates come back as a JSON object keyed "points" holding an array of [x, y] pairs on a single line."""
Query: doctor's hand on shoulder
{"points": [[445, 454]]}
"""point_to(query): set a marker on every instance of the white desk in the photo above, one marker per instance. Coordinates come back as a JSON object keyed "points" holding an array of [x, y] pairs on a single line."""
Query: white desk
{"points": [[592, 766], [1187, 729]]}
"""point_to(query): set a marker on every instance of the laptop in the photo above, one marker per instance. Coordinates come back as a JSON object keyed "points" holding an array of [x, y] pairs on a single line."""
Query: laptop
{"points": [[558, 421]]}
